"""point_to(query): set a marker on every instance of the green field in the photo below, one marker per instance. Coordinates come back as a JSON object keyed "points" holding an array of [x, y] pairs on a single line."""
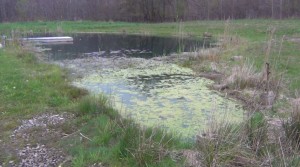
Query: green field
{"points": [[253, 30], [28, 88]]}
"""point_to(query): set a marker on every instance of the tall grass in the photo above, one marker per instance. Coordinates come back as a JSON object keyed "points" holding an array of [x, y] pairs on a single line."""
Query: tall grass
{"points": [[243, 76], [234, 145], [248, 144], [292, 126]]}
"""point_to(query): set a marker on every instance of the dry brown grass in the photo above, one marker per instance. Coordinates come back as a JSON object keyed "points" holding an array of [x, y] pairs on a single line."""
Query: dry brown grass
{"points": [[243, 76], [227, 145], [292, 126], [212, 55], [248, 144]]}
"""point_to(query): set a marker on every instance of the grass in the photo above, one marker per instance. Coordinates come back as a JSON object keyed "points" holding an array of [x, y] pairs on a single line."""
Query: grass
{"points": [[30, 86], [243, 76], [246, 144], [255, 30], [292, 127], [118, 141], [27, 88]]}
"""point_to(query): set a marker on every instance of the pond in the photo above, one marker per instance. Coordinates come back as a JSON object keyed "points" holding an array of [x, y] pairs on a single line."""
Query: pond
{"points": [[132, 72], [121, 45]]}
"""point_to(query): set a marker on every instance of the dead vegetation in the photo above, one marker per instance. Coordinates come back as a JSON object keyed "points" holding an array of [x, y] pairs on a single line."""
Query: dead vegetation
{"points": [[292, 126], [249, 143], [262, 139], [237, 76]]}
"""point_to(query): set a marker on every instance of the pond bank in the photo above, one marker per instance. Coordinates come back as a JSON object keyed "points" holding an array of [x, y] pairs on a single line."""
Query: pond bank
{"points": [[58, 130]]}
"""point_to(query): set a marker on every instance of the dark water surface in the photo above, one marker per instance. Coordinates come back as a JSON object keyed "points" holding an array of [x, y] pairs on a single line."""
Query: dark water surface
{"points": [[120, 45]]}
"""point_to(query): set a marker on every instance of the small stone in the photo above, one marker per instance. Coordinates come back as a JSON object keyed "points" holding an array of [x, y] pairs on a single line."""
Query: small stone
{"points": [[31, 122], [207, 35], [236, 58]]}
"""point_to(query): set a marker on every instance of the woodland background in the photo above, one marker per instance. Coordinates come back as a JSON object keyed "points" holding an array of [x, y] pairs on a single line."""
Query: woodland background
{"points": [[145, 10]]}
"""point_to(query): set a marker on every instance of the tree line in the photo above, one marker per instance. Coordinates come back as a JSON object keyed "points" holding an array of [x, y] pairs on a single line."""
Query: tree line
{"points": [[146, 10]]}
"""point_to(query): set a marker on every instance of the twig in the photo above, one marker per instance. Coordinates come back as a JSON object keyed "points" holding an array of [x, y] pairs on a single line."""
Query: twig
{"points": [[85, 137], [269, 158], [282, 152], [67, 135]]}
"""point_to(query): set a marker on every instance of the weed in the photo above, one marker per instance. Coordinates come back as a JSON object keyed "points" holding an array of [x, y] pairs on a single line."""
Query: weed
{"points": [[187, 63], [256, 132], [75, 93]]}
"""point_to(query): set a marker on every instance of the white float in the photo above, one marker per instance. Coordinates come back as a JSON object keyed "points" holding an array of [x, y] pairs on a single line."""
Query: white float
{"points": [[49, 39]]}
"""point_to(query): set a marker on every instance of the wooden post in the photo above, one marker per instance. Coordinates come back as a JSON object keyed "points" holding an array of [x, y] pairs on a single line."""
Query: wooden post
{"points": [[268, 72]]}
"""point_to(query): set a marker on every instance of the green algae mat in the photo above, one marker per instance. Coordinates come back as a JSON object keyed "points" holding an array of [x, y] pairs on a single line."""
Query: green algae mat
{"points": [[163, 95]]}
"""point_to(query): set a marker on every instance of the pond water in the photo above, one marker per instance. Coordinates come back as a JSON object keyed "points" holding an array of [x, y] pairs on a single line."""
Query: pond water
{"points": [[141, 86], [121, 45]]}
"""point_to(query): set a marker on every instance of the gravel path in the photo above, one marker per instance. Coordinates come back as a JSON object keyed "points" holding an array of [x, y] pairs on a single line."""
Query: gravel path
{"points": [[37, 134]]}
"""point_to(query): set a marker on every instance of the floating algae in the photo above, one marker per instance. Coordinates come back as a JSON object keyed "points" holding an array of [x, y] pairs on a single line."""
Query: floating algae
{"points": [[164, 95]]}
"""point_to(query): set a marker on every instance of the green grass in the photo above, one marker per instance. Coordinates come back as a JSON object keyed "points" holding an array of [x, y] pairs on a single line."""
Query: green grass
{"points": [[255, 30], [30, 86], [118, 141], [27, 88]]}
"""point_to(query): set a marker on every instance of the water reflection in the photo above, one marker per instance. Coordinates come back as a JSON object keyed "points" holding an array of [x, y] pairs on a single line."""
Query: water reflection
{"points": [[120, 45]]}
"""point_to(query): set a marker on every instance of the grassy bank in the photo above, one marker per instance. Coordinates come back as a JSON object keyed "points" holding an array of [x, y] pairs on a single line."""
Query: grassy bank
{"points": [[115, 141], [30, 88]]}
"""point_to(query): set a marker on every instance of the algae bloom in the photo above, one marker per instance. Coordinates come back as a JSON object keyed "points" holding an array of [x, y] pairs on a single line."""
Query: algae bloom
{"points": [[163, 95]]}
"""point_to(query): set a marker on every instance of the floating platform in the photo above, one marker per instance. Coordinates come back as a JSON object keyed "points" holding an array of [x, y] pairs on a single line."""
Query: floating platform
{"points": [[55, 43], [49, 39]]}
